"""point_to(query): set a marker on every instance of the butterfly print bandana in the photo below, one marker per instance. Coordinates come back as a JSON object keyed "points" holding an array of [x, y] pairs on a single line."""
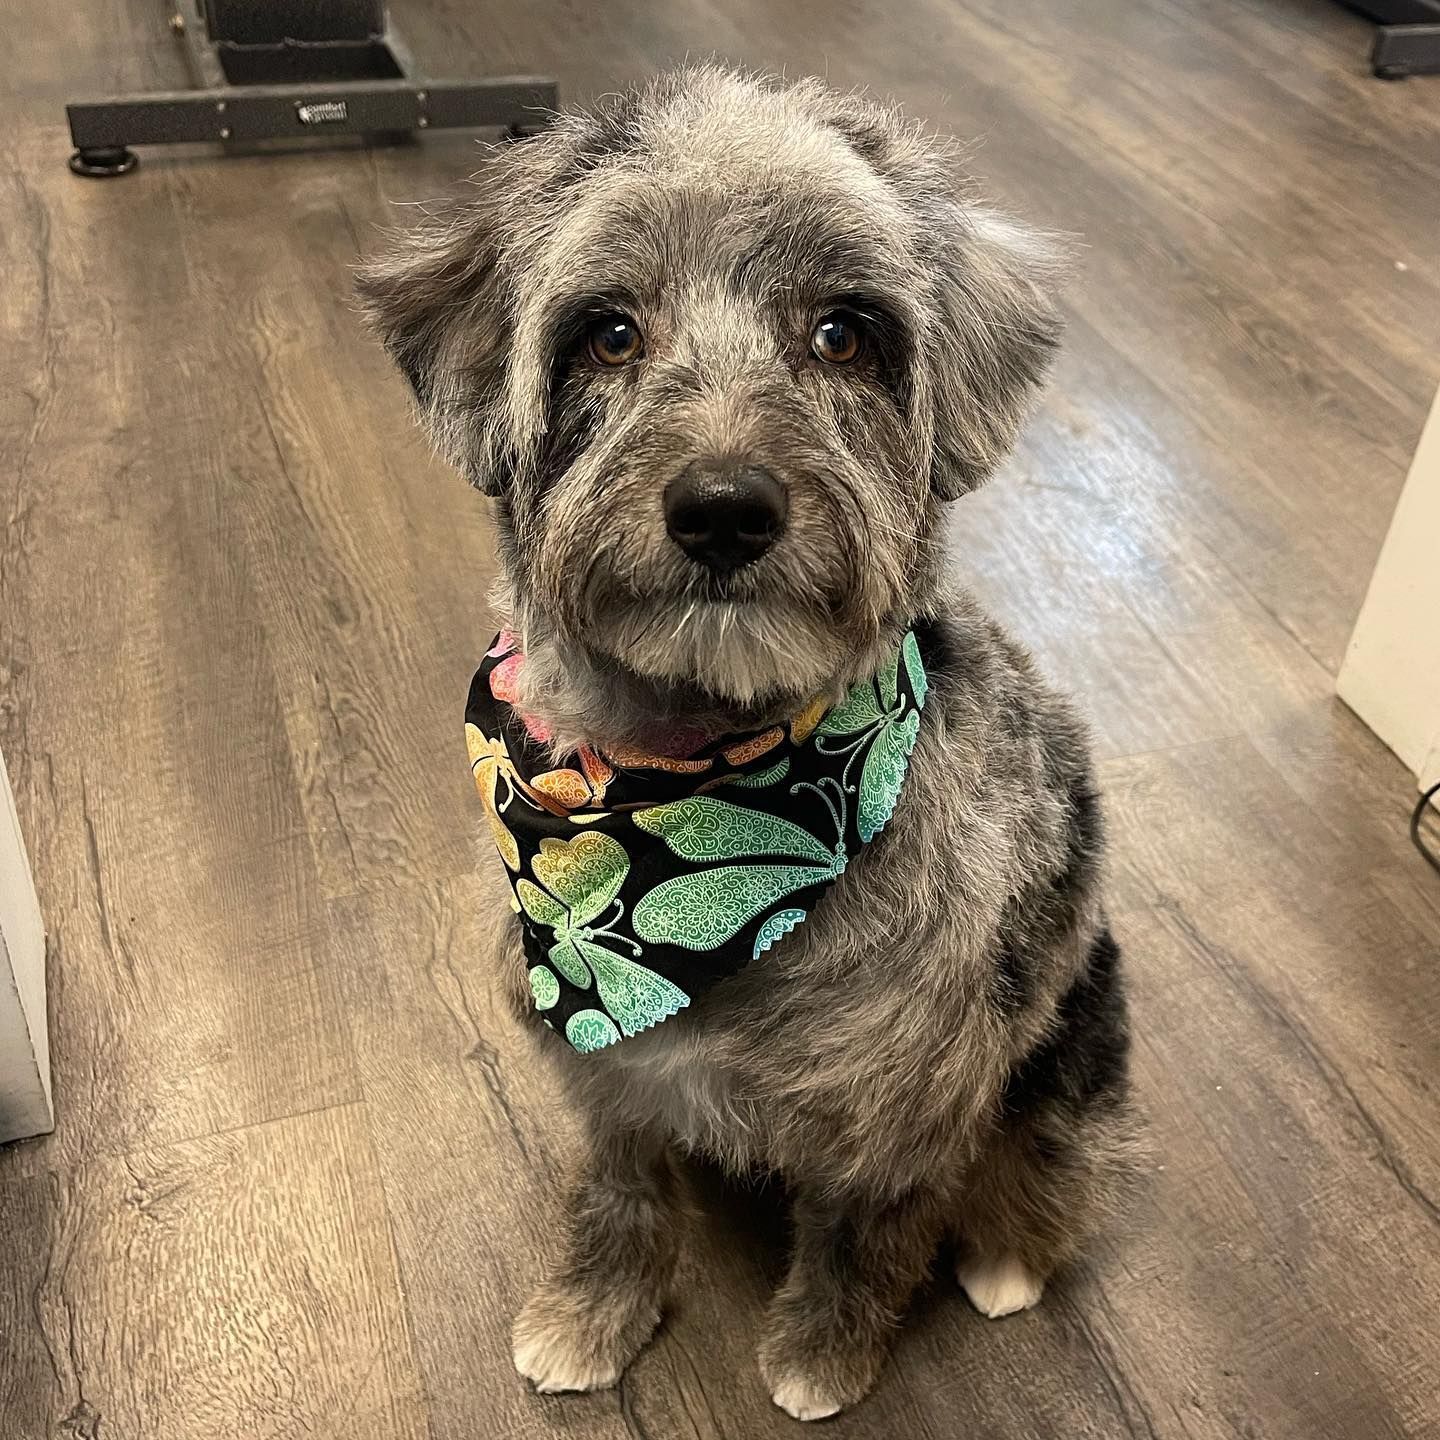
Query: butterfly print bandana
{"points": [[643, 879]]}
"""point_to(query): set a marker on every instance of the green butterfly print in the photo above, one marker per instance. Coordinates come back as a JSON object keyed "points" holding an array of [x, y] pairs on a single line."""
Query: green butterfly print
{"points": [[703, 910], [772, 776], [544, 986], [781, 923], [589, 1030], [582, 879], [919, 681], [700, 827], [875, 713]]}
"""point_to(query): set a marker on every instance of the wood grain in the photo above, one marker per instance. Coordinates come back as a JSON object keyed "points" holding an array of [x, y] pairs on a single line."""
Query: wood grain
{"points": [[238, 1284], [305, 1168]]}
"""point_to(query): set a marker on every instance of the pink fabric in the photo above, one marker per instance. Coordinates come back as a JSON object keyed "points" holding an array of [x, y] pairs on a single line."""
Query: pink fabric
{"points": [[505, 686]]}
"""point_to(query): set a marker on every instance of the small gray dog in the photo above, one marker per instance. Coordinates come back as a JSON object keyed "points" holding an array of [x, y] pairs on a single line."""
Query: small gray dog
{"points": [[721, 351]]}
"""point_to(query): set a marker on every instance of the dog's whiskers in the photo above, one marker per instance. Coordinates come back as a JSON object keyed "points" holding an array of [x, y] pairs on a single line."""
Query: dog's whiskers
{"points": [[684, 620]]}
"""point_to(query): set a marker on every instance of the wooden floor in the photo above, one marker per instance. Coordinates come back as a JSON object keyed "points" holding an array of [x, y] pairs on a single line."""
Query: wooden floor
{"points": [[302, 1175]]}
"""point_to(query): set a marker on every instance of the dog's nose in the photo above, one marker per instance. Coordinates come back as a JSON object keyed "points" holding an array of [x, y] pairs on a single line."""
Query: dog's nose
{"points": [[725, 515]]}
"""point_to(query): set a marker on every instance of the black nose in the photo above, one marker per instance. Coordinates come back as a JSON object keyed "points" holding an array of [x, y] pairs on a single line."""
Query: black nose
{"points": [[725, 515]]}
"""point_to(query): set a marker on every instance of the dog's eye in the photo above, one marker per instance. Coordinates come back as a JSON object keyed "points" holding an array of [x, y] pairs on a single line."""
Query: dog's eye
{"points": [[615, 340], [838, 338]]}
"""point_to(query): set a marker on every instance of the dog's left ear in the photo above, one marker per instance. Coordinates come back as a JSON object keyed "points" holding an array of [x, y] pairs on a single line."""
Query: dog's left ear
{"points": [[996, 331], [439, 304]]}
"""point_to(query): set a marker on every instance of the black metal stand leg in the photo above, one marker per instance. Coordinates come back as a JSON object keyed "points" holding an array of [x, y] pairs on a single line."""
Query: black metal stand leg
{"points": [[1402, 50], [111, 160], [296, 69]]}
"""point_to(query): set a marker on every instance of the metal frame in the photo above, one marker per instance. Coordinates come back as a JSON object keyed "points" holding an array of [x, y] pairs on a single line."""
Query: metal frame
{"points": [[1402, 50], [391, 100], [1407, 36]]}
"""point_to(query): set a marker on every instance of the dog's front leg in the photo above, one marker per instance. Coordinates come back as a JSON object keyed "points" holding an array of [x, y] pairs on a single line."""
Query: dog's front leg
{"points": [[601, 1303], [855, 1264]]}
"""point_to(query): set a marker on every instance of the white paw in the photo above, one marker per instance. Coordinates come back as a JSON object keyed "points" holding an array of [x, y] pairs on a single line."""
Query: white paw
{"points": [[551, 1366], [800, 1400], [999, 1287], [555, 1360]]}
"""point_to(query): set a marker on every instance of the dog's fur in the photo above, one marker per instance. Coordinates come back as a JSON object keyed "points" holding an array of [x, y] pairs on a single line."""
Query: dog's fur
{"points": [[942, 1047]]}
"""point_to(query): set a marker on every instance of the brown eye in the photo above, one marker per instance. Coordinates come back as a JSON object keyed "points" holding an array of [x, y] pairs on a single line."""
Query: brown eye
{"points": [[615, 340], [838, 338]]}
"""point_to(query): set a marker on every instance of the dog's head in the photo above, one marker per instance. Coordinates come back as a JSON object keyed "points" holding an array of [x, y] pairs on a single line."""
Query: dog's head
{"points": [[718, 350]]}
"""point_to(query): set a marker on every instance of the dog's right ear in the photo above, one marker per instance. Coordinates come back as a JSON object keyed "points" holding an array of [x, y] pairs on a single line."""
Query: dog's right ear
{"points": [[997, 331], [439, 304], [994, 321]]}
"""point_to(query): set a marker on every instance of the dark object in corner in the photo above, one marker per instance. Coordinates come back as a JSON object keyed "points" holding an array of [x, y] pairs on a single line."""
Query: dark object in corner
{"points": [[1416, 816], [1407, 41], [273, 69]]}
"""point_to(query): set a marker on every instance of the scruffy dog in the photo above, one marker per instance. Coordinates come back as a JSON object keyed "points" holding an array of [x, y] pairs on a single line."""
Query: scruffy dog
{"points": [[721, 352]]}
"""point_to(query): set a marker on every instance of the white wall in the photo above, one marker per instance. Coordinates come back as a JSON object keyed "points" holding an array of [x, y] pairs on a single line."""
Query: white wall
{"points": [[1391, 674], [24, 1044]]}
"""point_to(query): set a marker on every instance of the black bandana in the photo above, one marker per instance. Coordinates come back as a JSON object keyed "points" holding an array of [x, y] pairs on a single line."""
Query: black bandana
{"points": [[641, 880]]}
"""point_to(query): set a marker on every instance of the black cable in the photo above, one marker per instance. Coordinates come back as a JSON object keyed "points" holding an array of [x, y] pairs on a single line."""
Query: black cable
{"points": [[1420, 845]]}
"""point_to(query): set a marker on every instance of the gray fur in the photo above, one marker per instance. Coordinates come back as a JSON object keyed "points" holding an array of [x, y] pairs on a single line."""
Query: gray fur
{"points": [[942, 1046]]}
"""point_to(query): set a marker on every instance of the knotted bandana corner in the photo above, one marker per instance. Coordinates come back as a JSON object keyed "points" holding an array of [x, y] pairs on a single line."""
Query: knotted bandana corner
{"points": [[642, 880]]}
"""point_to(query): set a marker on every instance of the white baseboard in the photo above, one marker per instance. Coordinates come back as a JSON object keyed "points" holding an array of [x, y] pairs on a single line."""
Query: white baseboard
{"points": [[1391, 674], [25, 1101]]}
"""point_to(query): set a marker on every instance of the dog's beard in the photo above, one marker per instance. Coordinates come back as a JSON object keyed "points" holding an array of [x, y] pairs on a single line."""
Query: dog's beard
{"points": [[643, 675], [742, 652], [637, 670]]}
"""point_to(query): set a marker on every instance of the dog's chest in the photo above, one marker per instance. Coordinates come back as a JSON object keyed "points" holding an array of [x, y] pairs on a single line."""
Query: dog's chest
{"points": [[701, 1102]]}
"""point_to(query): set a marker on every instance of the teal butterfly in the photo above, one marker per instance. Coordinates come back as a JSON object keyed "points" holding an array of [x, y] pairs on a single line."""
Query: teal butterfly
{"points": [[702, 910], [773, 776], [582, 879], [884, 727], [588, 1030]]}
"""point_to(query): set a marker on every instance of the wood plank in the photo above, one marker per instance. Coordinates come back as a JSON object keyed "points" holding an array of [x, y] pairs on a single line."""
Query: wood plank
{"points": [[1270, 1284], [145, 728], [1159, 640], [398, 554], [239, 1284], [1321, 58], [73, 52]]}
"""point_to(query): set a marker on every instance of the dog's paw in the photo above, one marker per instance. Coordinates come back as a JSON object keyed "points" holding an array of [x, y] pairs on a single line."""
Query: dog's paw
{"points": [[561, 1344], [803, 1399], [553, 1364], [813, 1370], [998, 1287]]}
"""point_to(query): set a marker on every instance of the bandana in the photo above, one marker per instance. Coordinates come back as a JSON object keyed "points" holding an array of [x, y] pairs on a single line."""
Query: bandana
{"points": [[641, 880]]}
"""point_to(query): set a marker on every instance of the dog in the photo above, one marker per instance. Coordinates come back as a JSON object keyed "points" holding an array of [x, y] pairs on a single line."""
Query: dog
{"points": [[722, 351]]}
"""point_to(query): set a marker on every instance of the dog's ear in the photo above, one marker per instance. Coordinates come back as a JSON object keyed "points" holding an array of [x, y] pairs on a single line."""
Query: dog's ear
{"points": [[440, 305], [993, 324], [996, 327]]}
